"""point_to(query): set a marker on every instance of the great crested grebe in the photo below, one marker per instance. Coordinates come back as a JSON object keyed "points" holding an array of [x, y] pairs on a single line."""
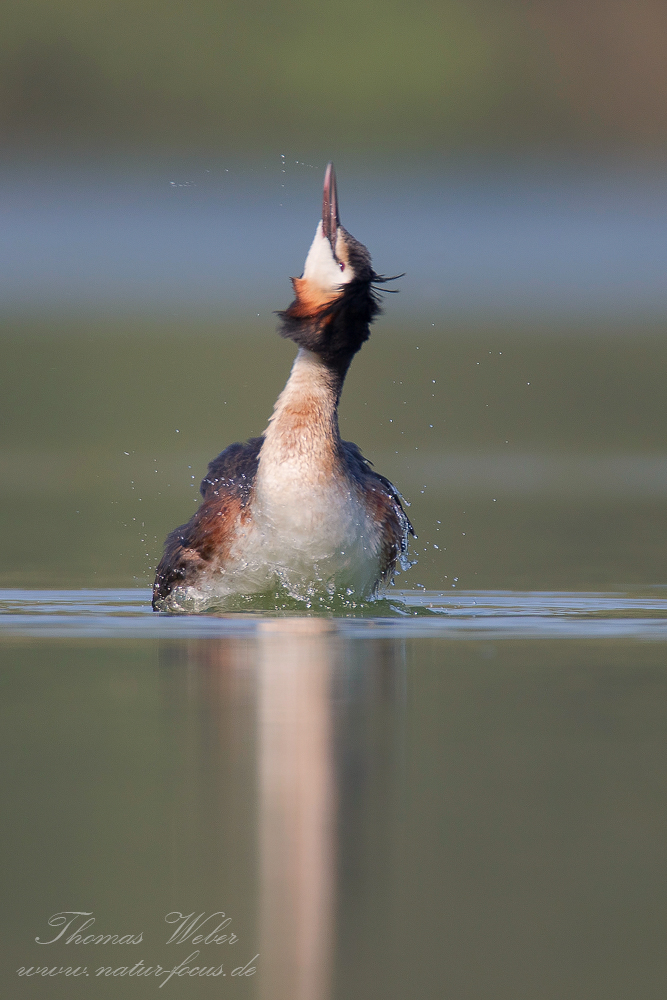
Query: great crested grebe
{"points": [[298, 510]]}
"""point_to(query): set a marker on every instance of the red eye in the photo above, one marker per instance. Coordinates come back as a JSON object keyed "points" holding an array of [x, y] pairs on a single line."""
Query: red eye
{"points": [[341, 265]]}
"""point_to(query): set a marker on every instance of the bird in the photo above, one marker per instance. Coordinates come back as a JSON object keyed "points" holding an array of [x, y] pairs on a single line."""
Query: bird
{"points": [[298, 511]]}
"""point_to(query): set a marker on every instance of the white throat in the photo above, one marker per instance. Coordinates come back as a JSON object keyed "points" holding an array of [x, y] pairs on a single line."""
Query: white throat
{"points": [[321, 269]]}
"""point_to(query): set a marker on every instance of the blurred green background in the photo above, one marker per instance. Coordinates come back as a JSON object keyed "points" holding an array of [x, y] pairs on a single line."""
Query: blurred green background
{"points": [[213, 76], [160, 180], [532, 459]]}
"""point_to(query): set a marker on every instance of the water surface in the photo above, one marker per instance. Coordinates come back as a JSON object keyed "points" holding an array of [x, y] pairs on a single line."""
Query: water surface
{"points": [[400, 615], [463, 796]]}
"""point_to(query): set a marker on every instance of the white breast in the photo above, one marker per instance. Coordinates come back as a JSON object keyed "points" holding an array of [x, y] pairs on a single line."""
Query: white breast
{"points": [[308, 531], [314, 536]]}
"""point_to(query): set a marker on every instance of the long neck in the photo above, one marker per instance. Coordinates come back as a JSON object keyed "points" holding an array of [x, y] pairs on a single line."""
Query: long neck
{"points": [[304, 424]]}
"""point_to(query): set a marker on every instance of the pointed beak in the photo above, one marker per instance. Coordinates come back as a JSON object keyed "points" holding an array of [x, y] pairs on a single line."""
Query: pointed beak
{"points": [[330, 220]]}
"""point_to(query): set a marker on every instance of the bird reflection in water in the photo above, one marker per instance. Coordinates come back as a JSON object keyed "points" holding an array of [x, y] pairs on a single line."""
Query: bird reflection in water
{"points": [[285, 705], [297, 807]]}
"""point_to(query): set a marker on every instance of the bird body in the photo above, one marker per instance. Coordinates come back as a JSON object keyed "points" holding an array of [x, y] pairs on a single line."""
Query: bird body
{"points": [[297, 509]]}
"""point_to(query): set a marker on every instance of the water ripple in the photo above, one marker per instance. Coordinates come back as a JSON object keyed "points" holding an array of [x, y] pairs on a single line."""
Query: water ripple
{"points": [[72, 614]]}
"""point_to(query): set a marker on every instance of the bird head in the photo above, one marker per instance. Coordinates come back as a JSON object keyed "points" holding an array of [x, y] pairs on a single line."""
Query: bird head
{"points": [[336, 300], [335, 258]]}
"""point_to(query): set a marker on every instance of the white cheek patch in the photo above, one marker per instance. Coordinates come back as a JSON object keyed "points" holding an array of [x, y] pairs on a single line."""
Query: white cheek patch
{"points": [[321, 268]]}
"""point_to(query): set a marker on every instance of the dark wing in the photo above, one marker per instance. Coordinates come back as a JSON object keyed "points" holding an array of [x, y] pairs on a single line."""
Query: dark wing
{"points": [[226, 491], [384, 502], [235, 467]]}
